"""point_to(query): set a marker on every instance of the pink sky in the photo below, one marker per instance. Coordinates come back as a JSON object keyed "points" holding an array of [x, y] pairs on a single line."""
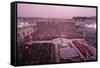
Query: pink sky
{"points": [[35, 10]]}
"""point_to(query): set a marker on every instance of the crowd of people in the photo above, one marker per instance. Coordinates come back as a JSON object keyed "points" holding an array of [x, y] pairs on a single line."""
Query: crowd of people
{"points": [[42, 53], [35, 53]]}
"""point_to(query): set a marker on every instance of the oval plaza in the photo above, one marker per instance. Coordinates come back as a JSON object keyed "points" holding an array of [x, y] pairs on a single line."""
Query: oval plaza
{"points": [[53, 40]]}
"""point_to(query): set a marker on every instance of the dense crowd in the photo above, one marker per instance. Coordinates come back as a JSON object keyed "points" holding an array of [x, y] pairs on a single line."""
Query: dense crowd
{"points": [[42, 53], [35, 53]]}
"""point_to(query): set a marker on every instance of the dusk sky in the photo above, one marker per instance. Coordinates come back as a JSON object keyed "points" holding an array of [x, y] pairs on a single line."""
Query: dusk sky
{"points": [[49, 11]]}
